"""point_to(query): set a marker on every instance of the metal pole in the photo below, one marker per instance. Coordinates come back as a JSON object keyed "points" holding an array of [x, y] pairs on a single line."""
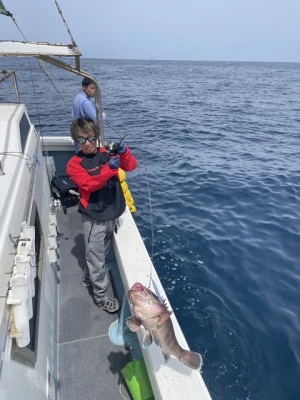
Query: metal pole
{"points": [[98, 104]]}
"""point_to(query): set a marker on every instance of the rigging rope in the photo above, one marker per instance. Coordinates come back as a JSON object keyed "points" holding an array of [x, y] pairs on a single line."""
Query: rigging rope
{"points": [[32, 80], [19, 154], [43, 69], [41, 64], [13, 18], [15, 22], [65, 22]]}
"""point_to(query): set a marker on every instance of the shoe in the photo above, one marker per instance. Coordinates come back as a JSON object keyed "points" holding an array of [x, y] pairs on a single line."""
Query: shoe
{"points": [[86, 282], [109, 304]]}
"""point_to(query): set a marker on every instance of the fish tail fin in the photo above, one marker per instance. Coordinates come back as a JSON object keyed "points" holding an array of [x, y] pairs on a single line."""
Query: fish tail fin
{"points": [[191, 359]]}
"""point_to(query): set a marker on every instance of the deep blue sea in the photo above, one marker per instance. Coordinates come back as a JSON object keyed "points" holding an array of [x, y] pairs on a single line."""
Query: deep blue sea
{"points": [[218, 201]]}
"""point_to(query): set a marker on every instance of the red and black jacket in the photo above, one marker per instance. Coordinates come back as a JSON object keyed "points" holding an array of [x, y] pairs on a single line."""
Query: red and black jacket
{"points": [[101, 195]]}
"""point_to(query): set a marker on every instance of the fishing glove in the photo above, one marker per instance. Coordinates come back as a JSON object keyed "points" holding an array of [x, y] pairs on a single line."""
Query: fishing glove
{"points": [[120, 148], [114, 162]]}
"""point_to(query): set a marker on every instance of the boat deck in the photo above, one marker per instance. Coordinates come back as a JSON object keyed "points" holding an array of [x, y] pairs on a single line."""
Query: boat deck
{"points": [[89, 364]]}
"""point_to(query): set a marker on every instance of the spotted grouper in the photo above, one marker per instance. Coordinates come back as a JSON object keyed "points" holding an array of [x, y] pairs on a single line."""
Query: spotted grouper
{"points": [[153, 314]]}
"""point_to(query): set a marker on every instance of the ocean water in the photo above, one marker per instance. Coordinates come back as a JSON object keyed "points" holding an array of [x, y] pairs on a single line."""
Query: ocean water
{"points": [[218, 201]]}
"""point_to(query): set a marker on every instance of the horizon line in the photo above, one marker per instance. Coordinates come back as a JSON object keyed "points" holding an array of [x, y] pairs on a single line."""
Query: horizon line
{"points": [[188, 60]]}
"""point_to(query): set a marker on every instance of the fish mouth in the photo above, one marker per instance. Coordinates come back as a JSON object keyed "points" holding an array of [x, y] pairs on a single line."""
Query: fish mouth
{"points": [[135, 290], [137, 287]]}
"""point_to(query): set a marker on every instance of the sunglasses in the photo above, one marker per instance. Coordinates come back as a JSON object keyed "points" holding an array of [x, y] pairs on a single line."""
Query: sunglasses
{"points": [[81, 140]]}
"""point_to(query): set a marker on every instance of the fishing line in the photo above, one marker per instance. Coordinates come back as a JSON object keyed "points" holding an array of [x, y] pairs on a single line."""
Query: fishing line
{"points": [[149, 198], [111, 127]]}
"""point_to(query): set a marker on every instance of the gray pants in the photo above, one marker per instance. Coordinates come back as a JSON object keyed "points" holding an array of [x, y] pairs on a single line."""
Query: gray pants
{"points": [[97, 239]]}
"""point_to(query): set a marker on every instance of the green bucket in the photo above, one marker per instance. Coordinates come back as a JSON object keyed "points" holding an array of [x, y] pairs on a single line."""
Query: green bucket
{"points": [[137, 380]]}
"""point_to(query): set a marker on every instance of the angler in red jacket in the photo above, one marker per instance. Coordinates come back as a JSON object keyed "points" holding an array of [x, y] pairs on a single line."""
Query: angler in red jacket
{"points": [[95, 173]]}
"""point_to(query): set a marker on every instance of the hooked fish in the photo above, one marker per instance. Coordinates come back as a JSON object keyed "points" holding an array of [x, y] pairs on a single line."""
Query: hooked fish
{"points": [[155, 317]]}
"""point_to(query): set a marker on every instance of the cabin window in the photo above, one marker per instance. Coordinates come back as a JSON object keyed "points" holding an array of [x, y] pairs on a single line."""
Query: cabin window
{"points": [[28, 355], [24, 131]]}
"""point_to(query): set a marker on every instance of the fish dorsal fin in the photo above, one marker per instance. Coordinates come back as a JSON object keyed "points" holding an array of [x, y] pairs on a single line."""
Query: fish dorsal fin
{"points": [[163, 318]]}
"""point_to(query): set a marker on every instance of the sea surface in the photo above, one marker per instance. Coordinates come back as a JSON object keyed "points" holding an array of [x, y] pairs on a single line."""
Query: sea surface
{"points": [[217, 193]]}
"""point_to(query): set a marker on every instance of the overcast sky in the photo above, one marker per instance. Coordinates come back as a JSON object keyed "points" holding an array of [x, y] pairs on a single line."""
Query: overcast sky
{"points": [[212, 30]]}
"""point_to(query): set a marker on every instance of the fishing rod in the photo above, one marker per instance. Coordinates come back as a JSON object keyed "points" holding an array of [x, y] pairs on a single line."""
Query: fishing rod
{"points": [[151, 280]]}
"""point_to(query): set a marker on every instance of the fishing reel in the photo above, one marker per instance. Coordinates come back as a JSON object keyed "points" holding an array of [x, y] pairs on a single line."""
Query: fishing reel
{"points": [[112, 148]]}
